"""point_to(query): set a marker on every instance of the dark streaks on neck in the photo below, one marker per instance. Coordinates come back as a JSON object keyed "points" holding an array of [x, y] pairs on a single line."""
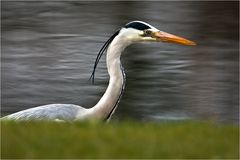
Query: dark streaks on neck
{"points": [[120, 96]]}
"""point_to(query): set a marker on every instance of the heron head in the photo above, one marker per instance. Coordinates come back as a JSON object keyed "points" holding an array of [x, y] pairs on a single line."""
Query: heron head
{"points": [[137, 31]]}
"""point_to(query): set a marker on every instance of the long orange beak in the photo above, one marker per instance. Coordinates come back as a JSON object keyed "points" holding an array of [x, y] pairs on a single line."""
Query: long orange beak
{"points": [[166, 37]]}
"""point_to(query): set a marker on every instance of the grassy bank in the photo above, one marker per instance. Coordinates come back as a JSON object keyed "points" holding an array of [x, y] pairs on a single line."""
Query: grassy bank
{"points": [[118, 140]]}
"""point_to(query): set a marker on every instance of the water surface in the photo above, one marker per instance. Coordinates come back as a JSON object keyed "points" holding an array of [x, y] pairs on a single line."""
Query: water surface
{"points": [[48, 50]]}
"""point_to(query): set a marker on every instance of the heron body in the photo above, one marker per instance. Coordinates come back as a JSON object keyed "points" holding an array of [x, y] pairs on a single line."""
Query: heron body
{"points": [[135, 31]]}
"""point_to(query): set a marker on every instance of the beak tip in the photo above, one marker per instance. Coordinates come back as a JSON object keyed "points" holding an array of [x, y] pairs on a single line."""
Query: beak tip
{"points": [[192, 43]]}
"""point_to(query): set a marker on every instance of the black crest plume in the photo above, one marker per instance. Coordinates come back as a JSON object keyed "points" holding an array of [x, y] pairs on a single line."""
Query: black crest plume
{"points": [[100, 53]]}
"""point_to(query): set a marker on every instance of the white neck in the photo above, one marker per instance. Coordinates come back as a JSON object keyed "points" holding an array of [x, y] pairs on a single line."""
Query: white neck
{"points": [[109, 101]]}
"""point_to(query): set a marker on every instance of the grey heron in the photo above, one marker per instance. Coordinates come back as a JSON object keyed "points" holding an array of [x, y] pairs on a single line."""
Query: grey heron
{"points": [[132, 32]]}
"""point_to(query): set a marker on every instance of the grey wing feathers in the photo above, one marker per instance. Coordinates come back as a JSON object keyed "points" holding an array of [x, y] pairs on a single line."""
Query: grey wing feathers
{"points": [[66, 112]]}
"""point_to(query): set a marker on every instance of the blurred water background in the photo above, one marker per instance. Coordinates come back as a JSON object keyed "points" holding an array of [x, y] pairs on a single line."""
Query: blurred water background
{"points": [[49, 47]]}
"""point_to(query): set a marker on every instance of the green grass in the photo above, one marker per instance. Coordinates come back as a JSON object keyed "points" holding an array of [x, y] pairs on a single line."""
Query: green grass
{"points": [[118, 140]]}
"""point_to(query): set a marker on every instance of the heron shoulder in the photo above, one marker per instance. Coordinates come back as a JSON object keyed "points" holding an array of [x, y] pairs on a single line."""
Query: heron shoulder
{"points": [[66, 112]]}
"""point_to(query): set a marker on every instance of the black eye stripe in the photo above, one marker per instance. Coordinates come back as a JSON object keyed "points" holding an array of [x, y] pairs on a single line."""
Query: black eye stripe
{"points": [[137, 25]]}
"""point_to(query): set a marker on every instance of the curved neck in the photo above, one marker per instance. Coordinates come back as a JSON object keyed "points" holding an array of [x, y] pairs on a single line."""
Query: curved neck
{"points": [[109, 101]]}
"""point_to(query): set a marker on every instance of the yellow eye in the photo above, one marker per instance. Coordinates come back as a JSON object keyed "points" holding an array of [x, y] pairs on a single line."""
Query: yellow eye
{"points": [[147, 33]]}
